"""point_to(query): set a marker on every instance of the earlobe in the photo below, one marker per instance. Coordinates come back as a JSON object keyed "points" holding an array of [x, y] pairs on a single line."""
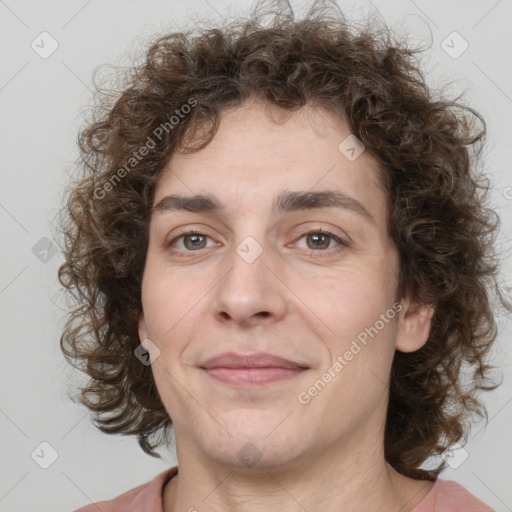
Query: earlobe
{"points": [[414, 325], [143, 334]]}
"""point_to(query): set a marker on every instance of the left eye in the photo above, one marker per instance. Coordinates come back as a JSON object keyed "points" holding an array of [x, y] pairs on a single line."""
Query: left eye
{"points": [[321, 240]]}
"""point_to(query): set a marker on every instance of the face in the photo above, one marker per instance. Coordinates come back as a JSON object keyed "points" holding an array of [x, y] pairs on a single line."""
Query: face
{"points": [[302, 280]]}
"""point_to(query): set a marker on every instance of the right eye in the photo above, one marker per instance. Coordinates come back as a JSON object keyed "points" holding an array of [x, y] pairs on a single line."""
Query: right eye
{"points": [[192, 241]]}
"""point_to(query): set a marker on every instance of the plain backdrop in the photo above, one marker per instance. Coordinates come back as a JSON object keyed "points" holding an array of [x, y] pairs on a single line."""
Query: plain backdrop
{"points": [[44, 88]]}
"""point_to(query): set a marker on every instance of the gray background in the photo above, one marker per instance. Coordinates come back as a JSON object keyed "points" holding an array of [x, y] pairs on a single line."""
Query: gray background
{"points": [[41, 101]]}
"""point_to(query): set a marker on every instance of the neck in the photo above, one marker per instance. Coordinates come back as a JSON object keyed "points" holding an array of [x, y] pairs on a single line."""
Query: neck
{"points": [[331, 480]]}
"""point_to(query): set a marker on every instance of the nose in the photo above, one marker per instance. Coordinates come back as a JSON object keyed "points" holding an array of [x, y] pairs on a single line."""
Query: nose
{"points": [[250, 291]]}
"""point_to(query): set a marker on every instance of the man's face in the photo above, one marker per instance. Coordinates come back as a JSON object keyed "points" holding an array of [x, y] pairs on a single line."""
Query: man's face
{"points": [[252, 280]]}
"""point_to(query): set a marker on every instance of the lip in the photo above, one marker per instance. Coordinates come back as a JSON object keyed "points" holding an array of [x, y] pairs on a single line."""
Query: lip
{"points": [[252, 369], [258, 360]]}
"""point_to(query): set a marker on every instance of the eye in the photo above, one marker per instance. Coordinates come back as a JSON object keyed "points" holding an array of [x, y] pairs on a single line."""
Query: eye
{"points": [[192, 241], [320, 240]]}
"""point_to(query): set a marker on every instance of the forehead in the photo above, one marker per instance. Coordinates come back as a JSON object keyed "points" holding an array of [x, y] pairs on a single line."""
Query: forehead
{"points": [[257, 152]]}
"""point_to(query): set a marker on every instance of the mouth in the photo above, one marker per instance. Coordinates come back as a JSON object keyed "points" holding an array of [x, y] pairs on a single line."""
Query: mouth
{"points": [[252, 376], [251, 370]]}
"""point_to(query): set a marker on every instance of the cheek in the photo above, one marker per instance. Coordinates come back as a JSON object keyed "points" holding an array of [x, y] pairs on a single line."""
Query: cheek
{"points": [[357, 308], [354, 296], [170, 300]]}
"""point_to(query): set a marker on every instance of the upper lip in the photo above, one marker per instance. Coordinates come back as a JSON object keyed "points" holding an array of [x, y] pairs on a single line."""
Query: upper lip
{"points": [[259, 360]]}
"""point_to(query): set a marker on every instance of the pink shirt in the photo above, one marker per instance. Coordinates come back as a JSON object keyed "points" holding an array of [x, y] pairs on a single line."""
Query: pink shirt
{"points": [[445, 496]]}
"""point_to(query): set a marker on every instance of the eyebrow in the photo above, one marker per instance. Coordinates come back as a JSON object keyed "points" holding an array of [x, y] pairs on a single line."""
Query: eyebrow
{"points": [[287, 201]]}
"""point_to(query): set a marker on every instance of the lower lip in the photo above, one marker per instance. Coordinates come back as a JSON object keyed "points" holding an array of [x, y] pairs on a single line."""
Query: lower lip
{"points": [[252, 376]]}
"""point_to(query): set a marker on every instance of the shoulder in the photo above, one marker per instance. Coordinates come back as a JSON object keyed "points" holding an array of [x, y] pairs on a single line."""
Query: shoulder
{"points": [[449, 496], [144, 497]]}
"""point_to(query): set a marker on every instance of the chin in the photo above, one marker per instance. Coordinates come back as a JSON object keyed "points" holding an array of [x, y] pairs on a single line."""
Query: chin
{"points": [[254, 456], [254, 439]]}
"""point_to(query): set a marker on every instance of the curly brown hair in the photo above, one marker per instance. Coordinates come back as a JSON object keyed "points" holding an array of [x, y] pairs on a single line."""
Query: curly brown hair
{"points": [[428, 148]]}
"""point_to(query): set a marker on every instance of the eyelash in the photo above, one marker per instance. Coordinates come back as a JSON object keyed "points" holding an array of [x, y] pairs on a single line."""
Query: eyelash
{"points": [[314, 253]]}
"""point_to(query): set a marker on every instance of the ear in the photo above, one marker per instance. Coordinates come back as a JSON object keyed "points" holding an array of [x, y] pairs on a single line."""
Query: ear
{"points": [[414, 324], [143, 333]]}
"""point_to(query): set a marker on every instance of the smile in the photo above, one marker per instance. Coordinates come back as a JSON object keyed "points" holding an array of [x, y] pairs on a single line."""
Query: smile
{"points": [[252, 376]]}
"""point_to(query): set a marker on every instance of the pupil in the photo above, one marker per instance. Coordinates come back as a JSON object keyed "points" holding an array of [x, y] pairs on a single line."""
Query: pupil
{"points": [[316, 238], [194, 239]]}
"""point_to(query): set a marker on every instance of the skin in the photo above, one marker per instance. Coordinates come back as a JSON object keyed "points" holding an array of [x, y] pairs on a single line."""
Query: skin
{"points": [[294, 300]]}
